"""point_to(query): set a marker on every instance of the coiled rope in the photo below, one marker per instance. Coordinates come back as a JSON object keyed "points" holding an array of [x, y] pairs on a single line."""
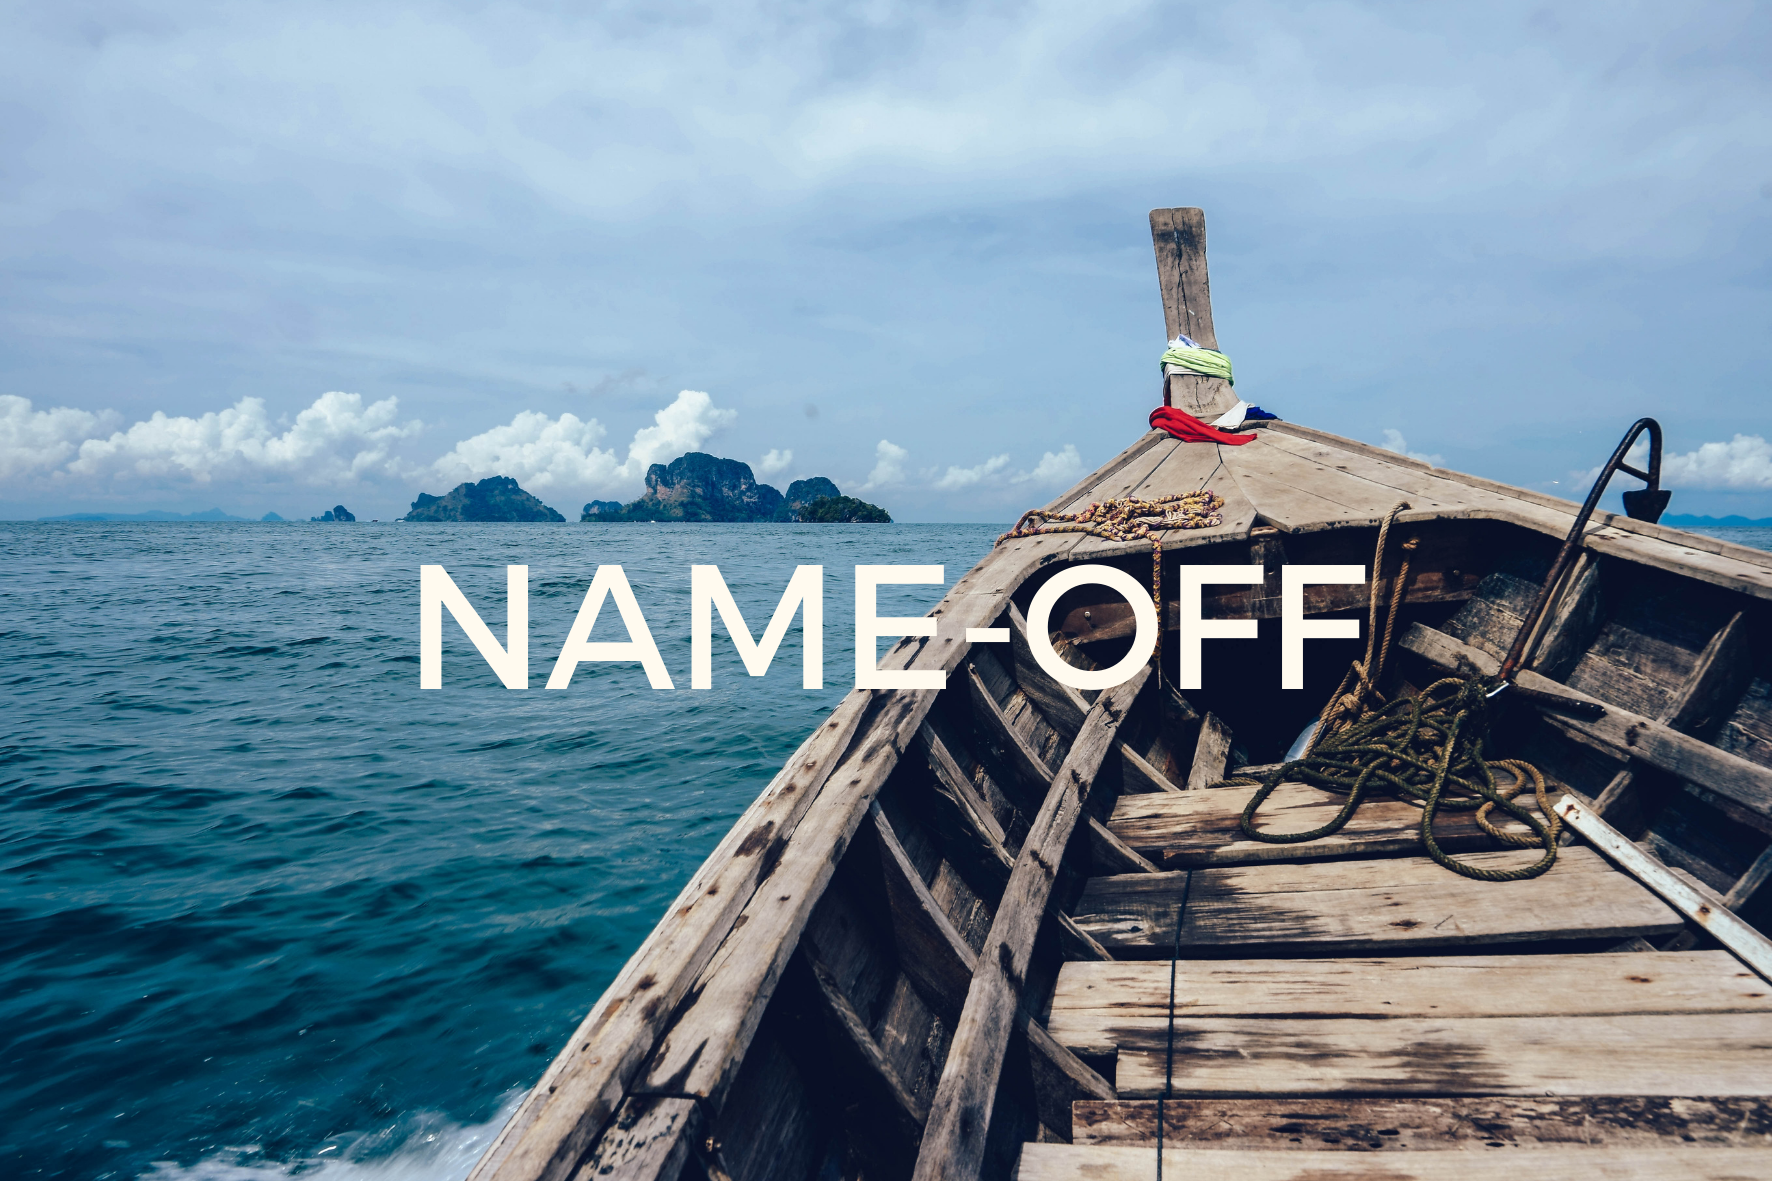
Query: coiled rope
{"points": [[1426, 749], [1129, 519]]}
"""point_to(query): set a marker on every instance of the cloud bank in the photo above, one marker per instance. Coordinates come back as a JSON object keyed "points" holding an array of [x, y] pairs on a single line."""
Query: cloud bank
{"points": [[338, 444], [561, 454], [1743, 463], [336, 440]]}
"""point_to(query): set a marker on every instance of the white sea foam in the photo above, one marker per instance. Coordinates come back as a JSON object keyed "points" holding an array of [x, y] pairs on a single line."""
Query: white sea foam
{"points": [[422, 1146]]}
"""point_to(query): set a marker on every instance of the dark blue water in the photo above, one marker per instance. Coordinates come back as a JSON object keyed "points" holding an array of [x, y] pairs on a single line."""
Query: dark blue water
{"points": [[266, 908]]}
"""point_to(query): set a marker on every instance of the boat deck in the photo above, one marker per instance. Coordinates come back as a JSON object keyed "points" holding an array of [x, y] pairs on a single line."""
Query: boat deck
{"points": [[940, 945]]}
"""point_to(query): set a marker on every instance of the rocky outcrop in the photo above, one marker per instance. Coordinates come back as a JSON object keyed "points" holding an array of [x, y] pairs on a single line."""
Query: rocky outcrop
{"points": [[702, 487], [844, 510], [337, 512], [804, 492], [497, 498], [601, 510]]}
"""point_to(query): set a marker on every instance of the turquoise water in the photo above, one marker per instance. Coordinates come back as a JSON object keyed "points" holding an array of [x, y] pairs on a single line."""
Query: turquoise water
{"points": [[266, 908], [1753, 535]]}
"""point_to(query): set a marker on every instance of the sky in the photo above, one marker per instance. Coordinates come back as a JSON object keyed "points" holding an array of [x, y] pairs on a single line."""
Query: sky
{"points": [[273, 257]]}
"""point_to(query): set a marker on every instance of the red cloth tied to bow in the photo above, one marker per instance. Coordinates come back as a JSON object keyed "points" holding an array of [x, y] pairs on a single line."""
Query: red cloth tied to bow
{"points": [[1189, 429]]}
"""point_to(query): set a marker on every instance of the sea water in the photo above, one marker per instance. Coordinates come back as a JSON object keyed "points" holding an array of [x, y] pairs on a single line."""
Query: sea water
{"points": [[268, 909]]}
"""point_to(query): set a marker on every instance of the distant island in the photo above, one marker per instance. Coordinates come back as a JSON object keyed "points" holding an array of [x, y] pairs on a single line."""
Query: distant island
{"points": [[702, 487], [1687, 521], [211, 514], [693, 487], [496, 498]]}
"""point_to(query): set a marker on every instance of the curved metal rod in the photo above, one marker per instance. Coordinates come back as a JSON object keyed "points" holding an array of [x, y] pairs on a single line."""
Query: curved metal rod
{"points": [[1643, 505]]}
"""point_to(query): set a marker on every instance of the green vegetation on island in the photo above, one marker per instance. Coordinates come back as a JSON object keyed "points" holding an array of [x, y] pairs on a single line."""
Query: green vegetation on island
{"points": [[496, 498], [702, 487], [844, 510]]}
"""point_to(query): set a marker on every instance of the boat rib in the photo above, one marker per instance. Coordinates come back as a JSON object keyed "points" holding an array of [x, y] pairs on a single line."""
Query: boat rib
{"points": [[940, 944]]}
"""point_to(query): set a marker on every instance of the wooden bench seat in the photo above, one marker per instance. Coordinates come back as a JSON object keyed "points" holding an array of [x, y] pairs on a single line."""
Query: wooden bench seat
{"points": [[1631, 1054], [1394, 904], [1072, 1162], [1182, 830], [1100, 1007], [1390, 1125]]}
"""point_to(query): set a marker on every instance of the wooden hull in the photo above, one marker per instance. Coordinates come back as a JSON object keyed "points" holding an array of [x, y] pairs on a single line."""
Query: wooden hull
{"points": [[940, 943]]}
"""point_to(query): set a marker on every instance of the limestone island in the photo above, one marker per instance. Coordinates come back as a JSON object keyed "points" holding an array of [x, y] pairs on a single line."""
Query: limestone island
{"points": [[702, 487], [496, 498]]}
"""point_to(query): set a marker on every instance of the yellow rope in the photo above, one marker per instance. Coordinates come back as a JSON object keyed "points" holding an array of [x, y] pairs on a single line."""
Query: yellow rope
{"points": [[1130, 519]]}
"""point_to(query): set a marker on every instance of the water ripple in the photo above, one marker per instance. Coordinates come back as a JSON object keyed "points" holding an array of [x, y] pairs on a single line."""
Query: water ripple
{"points": [[266, 909]]}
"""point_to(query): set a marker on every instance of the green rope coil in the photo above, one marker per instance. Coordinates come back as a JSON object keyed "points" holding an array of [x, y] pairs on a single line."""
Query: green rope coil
{"points": [[1426, 749]]}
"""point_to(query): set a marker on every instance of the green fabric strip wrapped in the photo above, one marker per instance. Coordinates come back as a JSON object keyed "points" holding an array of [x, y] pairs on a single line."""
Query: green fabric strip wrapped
{"points": [[1210, 362]]}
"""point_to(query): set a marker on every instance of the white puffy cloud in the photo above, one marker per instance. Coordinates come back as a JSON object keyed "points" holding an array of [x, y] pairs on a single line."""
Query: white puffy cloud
{"points": [[889, 460], [538, 452], [1743, 462], [965, 477], [336, 439], [1394, 441], [34, 441], [776, 461], [544, 453], [682, 426], [1054, 468]]}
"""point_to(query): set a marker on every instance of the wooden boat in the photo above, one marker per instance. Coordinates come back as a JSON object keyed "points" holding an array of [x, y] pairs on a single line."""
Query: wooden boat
{"points": [[1008, 929]]}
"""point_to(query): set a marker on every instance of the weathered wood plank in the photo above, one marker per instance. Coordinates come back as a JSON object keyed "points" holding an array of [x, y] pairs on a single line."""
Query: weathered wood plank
{"points": [[1658, 1054], [1626, 733], [954, 1140], [1344, 907], [1748, 885], [1179, 238], [1120, 482], [1113, 855], [774, 1126], [1140, 776], [1631, 801], [1721, 675], [650, 1137], [1573, 621], [1379, 873], [578, 1093], [1198, 828], [1077, 942], [931, 950], [702, 1051], [1391, 1125], [862, 1044], [1068, 1162], [1692, 899], [1100, 1007], [1706, 559], [974, 811], [939, 961], [997, 731], [1211, 753], [1107, 471], [1301, 496], [1063, 706]]}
